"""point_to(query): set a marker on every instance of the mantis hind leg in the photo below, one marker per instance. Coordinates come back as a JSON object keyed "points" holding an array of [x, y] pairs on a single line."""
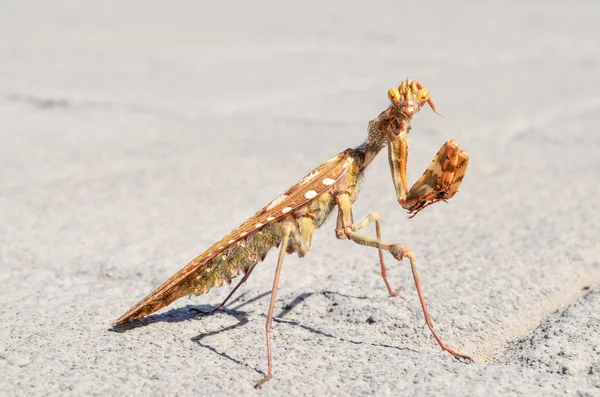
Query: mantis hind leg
{"points": [[290, 231]]}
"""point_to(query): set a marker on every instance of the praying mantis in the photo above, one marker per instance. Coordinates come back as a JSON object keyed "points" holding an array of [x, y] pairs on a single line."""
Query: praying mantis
{"points": [[290, 220]]}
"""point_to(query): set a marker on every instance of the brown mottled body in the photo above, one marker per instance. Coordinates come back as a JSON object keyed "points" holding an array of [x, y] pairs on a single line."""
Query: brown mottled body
{"points": [[306, 205], [291, 219], [253, 249]]}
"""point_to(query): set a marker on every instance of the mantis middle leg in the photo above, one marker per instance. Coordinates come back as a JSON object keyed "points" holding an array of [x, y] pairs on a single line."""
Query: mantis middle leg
{"points": [[349, 230]]}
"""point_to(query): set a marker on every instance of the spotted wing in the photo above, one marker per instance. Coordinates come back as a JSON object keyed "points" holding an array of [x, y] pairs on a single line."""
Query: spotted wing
{"points": [[308, 188]]}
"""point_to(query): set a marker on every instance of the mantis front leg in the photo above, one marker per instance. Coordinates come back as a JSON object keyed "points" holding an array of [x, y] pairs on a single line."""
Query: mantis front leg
{"points": [[347, 229], [439, 182]]}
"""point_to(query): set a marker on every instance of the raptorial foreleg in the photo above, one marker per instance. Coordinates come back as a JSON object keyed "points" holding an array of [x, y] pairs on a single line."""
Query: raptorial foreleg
{"points": [[441, 179], [439, 182]]}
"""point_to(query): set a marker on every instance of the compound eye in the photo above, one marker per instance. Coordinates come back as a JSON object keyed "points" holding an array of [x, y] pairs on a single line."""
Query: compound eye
{"points": [[394, 95], [423, 95]]}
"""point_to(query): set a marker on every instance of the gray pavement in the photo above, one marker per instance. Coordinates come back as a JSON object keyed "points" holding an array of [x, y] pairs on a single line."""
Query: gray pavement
{"points": [[135, 134]]}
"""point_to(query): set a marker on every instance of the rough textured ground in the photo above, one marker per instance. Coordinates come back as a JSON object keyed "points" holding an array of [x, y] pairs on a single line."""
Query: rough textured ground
{"points": [[135, 134]]}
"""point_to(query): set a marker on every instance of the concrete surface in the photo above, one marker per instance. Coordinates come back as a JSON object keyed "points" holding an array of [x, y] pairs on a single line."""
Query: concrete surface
{"points": [[134, 134]]}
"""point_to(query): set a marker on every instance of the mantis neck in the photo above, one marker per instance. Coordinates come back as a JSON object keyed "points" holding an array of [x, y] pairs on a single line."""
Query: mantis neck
{"points": [[365, 153]]}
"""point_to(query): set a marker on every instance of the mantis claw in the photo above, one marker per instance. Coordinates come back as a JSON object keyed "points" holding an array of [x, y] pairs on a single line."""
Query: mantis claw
{"points": [[441, 180]]}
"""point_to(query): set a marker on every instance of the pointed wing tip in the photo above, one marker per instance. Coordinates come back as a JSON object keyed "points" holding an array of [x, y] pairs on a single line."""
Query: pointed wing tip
{"points": [[143, 308], [129, 316], [121, 320], [150, 304]]}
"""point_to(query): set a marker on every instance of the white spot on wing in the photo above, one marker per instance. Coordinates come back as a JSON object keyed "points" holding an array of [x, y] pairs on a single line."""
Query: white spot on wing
{"points": [[310, 194], [328, 181], [258, 225], [276, 201], [286, 210], [269, 219], [243, 234], [231, 241]]}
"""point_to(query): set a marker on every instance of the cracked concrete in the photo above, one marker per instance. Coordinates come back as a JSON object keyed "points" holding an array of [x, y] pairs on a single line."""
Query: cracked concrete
{"points": [[565, 343], [135, 134]]}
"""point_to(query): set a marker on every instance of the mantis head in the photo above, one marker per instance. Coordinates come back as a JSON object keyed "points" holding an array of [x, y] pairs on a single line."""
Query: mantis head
{"points": [[407, 100]]}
